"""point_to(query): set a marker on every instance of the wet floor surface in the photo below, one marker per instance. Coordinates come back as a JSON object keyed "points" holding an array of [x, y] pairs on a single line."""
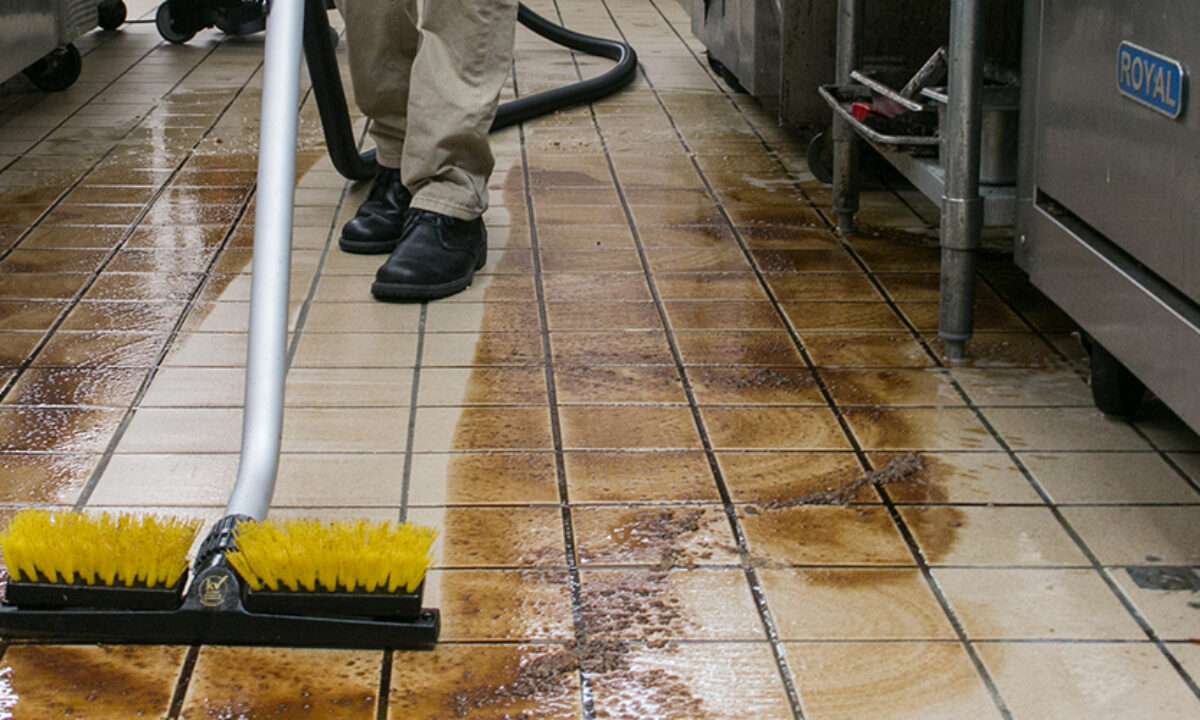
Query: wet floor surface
{"points": [[643, 433]]}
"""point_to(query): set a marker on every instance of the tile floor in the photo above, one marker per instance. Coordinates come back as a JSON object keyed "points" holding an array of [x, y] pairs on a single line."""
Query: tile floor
{"points": [[623, 430]]}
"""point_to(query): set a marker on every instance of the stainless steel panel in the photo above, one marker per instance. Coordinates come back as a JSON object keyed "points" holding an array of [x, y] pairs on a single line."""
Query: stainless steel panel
{"points": [[28, 30], [1126, 170], [1154, 339], [75, 18]]}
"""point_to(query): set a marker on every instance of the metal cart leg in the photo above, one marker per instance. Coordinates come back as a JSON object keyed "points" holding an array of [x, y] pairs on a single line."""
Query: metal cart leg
{"points": [[962, 207], [846, 144]]}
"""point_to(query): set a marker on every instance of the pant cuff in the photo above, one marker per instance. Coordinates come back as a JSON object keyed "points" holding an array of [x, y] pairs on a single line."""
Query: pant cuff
{"points": [[455, 210]]}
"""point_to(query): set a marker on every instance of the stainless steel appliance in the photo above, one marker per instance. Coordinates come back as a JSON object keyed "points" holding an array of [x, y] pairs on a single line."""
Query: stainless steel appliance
{"points": [[1109, 196], [36, 37]]}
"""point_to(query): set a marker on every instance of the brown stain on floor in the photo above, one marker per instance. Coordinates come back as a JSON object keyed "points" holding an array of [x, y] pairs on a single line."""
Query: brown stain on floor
{"points": [[90, 681]]}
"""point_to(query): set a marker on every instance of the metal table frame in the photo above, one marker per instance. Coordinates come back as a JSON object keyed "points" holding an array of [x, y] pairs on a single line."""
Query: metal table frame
{"points": [[962, 206]]}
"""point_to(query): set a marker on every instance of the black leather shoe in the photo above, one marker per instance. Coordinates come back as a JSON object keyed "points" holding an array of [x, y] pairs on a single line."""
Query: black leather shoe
{"points": [[437, 256], [377, 225]]}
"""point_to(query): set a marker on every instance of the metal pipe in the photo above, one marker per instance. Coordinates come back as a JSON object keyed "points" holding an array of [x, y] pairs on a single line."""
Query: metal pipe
{"points": [[266, 356], [962, 207], [846, 144]]}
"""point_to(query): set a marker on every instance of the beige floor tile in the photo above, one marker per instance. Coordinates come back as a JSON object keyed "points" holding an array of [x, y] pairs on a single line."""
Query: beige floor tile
{"points": [[628, 428], [58, 430], [474, 317], [196, 387], [356, 350], [1139, 535], [179, 479], [362, 317], [1024, 387], [479, 537], [604, 477], [995, 350], [891, 387], [1127, 478], [207, 350], [898, 681], [482, 428], [682, 681], [109, 681], [919, 429], [348, 387], [782, 478], [861, 604], [253, 681], [1063, 429], [342, 479], [824, 535], [1165, 597], [106, 387], [1188, 655], [656, 605], [1080, 681], [498, 605], [992, 536], [752, 386], [478, 681], [482, 478], [1166, 430], [665, 537], [962, 478], [487, 348], [774, 428], [345, 430], [583, 349], [482, 386], [996, 604]]}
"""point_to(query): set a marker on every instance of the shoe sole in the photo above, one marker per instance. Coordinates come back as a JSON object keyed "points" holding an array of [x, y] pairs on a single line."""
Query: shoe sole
{"points": [[366, 247], [405, 291]]}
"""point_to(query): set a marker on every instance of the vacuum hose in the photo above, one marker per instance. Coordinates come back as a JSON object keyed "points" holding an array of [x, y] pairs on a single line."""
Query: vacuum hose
{"points": [[335, 115]]}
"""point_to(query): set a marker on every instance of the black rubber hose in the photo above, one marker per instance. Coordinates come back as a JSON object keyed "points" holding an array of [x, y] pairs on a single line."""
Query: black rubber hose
{"points": [[335, 115]]}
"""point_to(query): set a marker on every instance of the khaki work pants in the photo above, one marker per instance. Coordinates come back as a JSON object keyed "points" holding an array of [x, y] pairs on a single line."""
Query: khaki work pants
{"points": [[428, 73]]}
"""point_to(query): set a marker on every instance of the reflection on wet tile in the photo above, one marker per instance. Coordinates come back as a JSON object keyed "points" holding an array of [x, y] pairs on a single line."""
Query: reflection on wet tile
{"points": [[1036, 604], [678, 536], [44, 477], [747, 386], [777, 478], [250, 682], [1023, 387], [683, 681], [1139, 535], [1127, 478], [774, 428], [122, 316], [619, 385], [918, 429], [709, 286], [572, 287], [486, 348], [1005, 350], [879, 349], [826, 535], [60, 386], [1077, 681], [101, 350], [994, 535], [629, 428], [29, 315], [845, 287], [723, 315], [474, 537], [962, 478], [65, 429], [101, 682], [485, 681], [861, 604], [483, 478], [658, 605], [489, 605], [899, 681], [603, 316], [640, 477], [844, 316]]}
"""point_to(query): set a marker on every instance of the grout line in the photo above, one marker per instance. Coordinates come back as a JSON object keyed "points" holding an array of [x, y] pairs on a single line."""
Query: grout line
{"points": [[385, 685], [406, 473], [760, 601], [179, 694], [574, 581]]}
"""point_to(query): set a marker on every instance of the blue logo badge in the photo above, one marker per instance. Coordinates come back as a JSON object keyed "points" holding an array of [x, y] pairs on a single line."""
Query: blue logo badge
{"points": [[1153, 80]]}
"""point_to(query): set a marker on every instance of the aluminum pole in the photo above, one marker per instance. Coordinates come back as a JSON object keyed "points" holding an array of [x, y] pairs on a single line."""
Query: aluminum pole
{"points": [[266, 357], [846, 143], [962, 207]]}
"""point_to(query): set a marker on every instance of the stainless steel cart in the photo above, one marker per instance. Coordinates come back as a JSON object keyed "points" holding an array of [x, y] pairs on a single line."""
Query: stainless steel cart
{"points": [[1109, 193], [36, 38]]}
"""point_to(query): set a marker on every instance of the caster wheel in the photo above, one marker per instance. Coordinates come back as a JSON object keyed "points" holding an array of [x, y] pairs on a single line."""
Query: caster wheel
{"points": [[820, 158], [248, 27], [167, 28], [1116, 391], [57, 71], [112, 15], [334, 38]]}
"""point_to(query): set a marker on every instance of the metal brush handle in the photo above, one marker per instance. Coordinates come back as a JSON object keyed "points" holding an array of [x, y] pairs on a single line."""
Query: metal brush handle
{"points": [[266, 356]]}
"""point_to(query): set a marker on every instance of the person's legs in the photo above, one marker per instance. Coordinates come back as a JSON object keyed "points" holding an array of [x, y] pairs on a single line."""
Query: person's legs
{"points": [[381, 44], [464, 57]]}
